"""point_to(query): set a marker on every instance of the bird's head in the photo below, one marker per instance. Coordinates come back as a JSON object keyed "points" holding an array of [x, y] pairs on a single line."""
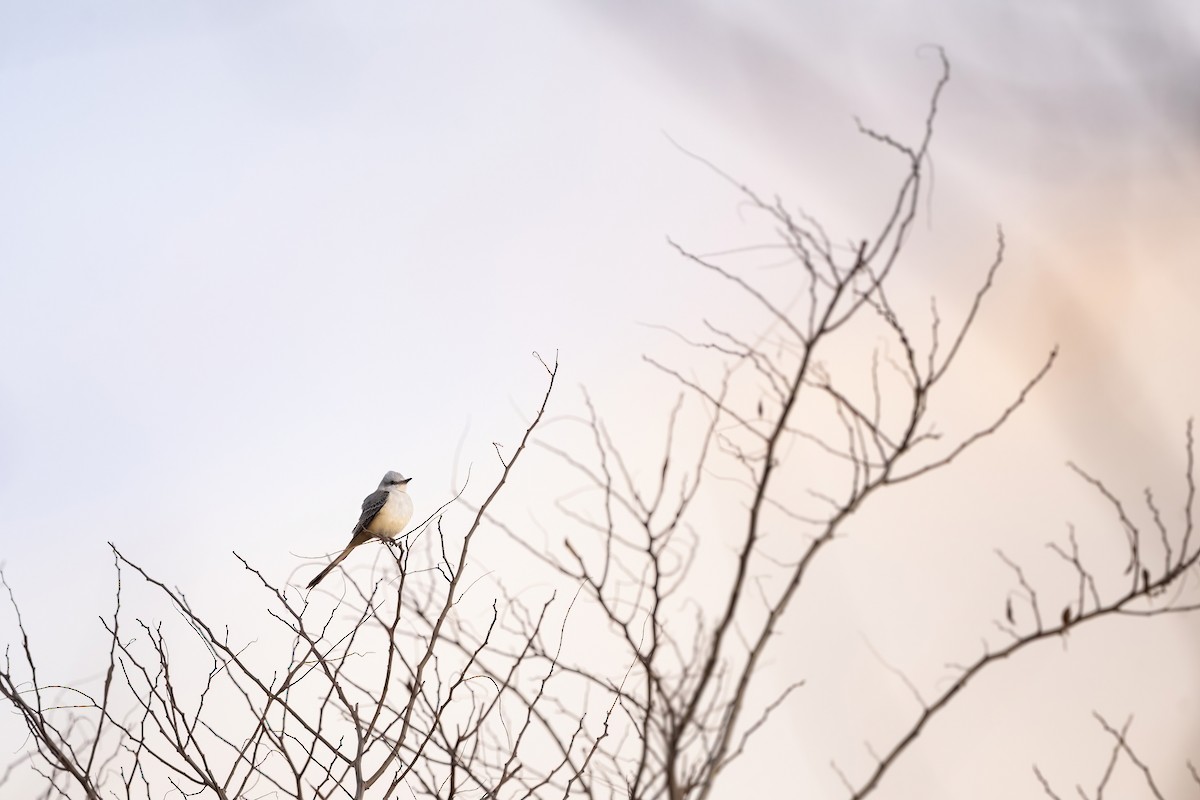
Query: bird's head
{"points": [[394, 480]]}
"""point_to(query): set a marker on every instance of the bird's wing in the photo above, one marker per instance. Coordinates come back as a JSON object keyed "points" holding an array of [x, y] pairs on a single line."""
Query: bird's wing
{"points": [[370, 507]]}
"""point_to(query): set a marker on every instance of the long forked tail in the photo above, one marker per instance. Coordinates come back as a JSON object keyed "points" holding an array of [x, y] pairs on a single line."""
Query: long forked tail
{"points": [[332, 564]]}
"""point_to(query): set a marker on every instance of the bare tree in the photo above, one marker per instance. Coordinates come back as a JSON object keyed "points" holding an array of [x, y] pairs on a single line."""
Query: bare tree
{"points": [[409, 686]]}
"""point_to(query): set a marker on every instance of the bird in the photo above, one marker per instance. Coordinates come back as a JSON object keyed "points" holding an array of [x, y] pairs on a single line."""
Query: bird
{"points": [[385, 512]]}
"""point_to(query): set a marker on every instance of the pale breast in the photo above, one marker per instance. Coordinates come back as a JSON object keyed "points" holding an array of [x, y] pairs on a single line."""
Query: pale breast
{"points": [[394, 515]]}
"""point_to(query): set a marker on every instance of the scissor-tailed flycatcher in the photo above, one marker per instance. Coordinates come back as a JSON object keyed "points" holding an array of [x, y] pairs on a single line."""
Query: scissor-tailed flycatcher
{"points": [[385, 512]]}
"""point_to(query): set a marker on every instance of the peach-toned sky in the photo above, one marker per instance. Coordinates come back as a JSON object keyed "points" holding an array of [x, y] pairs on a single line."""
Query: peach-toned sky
{"points": [[256, 254]]}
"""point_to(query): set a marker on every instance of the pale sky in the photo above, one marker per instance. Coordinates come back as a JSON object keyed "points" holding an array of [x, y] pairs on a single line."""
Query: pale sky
{"points": [[254, 255]]}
